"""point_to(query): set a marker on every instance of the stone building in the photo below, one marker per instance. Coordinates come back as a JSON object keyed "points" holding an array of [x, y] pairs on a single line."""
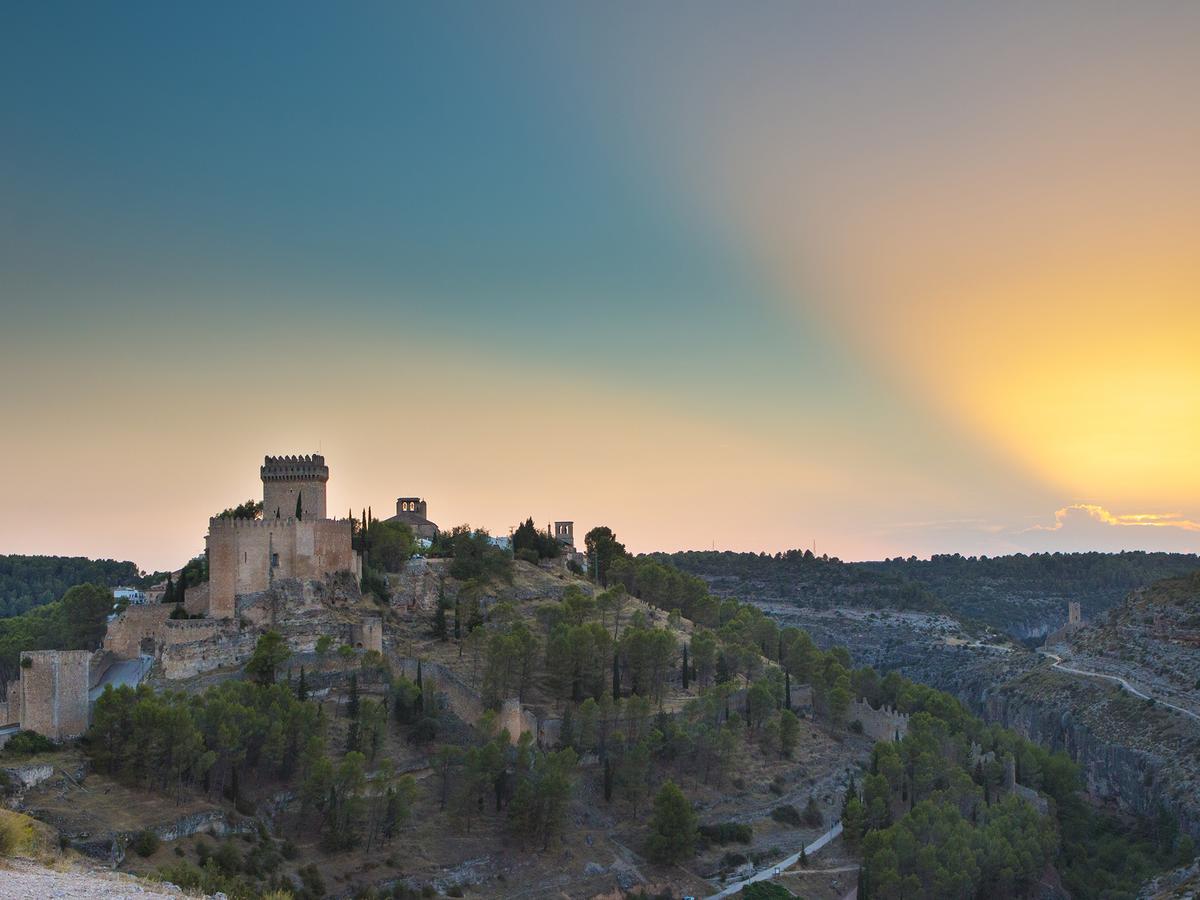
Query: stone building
{"points": [[414, 512], [564, 533], [54, 692], [248, 555]]}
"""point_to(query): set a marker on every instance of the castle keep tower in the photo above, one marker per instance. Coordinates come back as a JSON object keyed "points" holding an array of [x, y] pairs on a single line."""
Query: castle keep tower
{"points": [[246, 556], [287, 479]]}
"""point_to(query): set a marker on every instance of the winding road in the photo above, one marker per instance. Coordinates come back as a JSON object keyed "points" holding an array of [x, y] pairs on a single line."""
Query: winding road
{"points": [[783, 865], [1058, 664]]}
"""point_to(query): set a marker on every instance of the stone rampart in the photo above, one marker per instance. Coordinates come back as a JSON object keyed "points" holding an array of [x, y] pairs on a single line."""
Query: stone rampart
{"points": [[138, 630], [883, 724], [246, 556], [54, 692], [10, 707]]}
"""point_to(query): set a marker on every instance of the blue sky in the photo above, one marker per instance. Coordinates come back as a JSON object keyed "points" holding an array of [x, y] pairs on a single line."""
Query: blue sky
{"points": [[602, 262]]}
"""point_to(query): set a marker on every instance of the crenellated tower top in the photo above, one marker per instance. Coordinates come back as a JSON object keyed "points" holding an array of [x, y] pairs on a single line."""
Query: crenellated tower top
{"points": [[291, 481]]}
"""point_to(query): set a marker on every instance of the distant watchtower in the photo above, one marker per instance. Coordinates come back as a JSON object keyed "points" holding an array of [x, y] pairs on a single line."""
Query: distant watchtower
{"points": [[287, 479], [1073, 615], [564, 533]]}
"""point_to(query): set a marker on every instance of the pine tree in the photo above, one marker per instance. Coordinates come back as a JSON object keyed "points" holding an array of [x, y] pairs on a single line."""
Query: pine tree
{"points": [[180, 589], [674, 828], [616, 677], [352, 703], [787, 690], [299, 506], [685, 667], [302, 687], [169, 594]]}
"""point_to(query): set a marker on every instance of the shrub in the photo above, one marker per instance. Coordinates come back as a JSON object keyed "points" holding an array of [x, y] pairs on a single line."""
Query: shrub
{"points": [[812, 814], [145, 842], [25, 742], [732, 860], [727, 833], [289, 850], [529, 555], [787, 815]]}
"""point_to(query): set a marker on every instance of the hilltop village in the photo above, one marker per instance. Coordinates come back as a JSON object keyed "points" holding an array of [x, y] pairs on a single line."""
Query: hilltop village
{"points": [[289, 568], [357, 707]]}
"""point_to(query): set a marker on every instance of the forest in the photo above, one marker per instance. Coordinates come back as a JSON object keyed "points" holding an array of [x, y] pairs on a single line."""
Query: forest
{"points": [[30, 581], [996, 591], [76, 622]]}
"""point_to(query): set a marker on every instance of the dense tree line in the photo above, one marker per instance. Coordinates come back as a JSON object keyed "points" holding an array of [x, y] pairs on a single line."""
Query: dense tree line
{"points": [[532, 545], [932, 824], [30, 581], [76, 622], [995, 590]]}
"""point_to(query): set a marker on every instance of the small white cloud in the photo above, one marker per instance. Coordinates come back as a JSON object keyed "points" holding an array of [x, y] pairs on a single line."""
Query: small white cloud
{"points": [[1088, 526]]}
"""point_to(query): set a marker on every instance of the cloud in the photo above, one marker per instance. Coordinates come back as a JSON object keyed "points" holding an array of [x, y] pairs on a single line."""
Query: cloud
{"points": [[1125, 520], [1088, 526]]}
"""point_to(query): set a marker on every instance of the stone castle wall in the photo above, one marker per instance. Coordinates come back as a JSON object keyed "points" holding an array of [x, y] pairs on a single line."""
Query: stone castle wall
{"points": [[368, 634], [10, 703], [883, 724], [240, 554], [54, 692]]}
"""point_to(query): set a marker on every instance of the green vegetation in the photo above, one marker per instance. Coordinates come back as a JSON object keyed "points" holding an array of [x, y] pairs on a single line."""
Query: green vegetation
{"points": [[27, 743], [532, 545], [30, 581], [996, 590], [933, 825], [250, 509], [673, 828], [76, 622]]}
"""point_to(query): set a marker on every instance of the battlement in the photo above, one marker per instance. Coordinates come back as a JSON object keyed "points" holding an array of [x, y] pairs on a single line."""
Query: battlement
{"points": [[220, 524], [294, 468], [883, 724]]}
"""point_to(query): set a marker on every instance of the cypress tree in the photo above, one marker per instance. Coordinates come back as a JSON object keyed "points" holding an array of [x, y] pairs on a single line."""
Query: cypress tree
{"points": [[302, 687], [180, 589], [457, 629], [787, 689], [439, 622], [169, 593], [685, 667], [420, 684], [352, 704]]}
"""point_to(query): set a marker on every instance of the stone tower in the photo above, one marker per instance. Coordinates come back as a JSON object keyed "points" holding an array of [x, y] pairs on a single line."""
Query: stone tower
{"points": [[1073, 615], [564, 533], [288, 478]]}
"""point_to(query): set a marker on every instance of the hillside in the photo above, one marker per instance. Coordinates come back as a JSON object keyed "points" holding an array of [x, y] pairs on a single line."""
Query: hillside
{"points": [[29, 581], [1024, 595]]}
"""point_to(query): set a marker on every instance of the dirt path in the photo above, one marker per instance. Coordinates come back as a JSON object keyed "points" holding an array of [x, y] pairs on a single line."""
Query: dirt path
{"points": [[1058, 664], [782, 866], [23, 879]]}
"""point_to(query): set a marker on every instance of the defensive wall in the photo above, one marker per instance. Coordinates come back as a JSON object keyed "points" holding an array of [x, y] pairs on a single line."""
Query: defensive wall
{"points": [[246, 555], [10, 703], [883, 724], [54, 692]]}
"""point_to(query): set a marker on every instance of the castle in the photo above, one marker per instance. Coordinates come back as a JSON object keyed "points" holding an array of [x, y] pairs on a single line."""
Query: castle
{"points": [[293, 539], [1064, 632]]}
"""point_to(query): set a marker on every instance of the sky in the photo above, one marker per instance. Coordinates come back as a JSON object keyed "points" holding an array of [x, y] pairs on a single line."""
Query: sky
{"points": [[882, 279]]}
